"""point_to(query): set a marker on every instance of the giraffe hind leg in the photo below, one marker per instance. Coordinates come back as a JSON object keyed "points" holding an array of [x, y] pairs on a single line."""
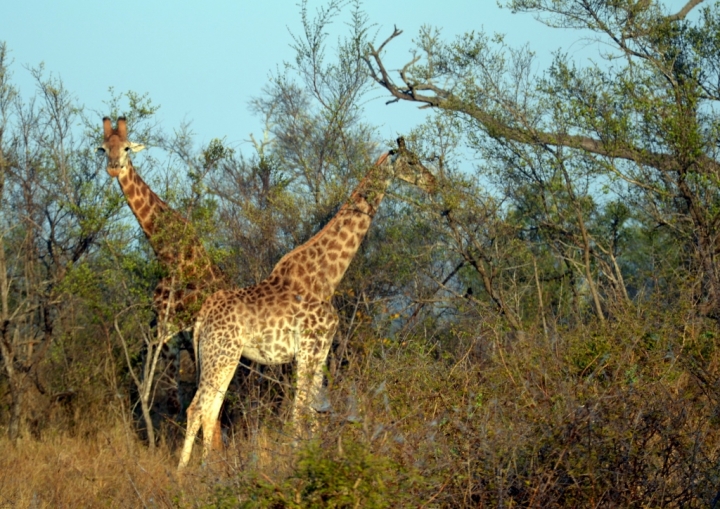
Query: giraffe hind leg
{"points": [[193, 425], [205, 407], [211, 411]]}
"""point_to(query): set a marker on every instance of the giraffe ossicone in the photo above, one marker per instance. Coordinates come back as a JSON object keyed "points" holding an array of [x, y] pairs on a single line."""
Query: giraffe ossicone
{"points": [[289, 315]]}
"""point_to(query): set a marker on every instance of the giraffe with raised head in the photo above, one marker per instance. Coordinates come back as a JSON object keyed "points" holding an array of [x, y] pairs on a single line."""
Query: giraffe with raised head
{"points": [[289, 315], [191, 275]]}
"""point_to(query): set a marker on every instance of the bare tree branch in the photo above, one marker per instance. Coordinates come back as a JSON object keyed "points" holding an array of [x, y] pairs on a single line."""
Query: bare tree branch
{"points": [[499, 129], [685, 10]]}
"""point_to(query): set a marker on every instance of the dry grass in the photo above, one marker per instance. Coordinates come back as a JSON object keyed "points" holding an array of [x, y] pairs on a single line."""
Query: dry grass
{"points": [[115, 469], [617, 417], [109, 470]]}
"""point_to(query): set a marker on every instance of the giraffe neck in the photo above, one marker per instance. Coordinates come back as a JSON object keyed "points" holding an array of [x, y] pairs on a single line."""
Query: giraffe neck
{"points": [[173, 239], [144, 203], [191, 274], [320, 264]]}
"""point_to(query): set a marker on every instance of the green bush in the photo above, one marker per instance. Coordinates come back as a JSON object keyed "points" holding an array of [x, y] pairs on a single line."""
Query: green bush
{"points": [[346, 476]]}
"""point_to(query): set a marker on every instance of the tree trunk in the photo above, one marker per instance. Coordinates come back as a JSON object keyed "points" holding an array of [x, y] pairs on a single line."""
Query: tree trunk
{"points": [[17, 393]]}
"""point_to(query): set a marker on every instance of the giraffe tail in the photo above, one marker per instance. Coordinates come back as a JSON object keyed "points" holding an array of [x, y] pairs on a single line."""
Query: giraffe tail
{"points": [[196, 344]]}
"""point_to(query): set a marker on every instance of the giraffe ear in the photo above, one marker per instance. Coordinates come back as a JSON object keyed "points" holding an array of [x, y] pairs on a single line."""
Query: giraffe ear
{"points": [[135, 147]]}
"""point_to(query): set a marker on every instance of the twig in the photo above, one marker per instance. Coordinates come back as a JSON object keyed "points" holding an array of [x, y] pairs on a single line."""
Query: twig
{"points": [[124, 344], [136, 490], [436, 495], [461, 360]]}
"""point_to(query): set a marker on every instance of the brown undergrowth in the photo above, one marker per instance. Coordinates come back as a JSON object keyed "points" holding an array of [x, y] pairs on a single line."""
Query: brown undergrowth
{"points": [[621, 415]]}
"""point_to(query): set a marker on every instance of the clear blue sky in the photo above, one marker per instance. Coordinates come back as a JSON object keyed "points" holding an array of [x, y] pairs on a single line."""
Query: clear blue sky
{"points": [[203, 61]]}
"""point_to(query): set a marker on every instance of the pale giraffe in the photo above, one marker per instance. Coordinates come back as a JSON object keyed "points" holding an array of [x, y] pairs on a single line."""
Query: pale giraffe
{"points": [[289, 315], [191, 276]]}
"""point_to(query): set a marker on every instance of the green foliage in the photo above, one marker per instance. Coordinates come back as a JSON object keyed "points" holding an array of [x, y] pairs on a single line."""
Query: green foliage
{"points": [[590, 356], [542, 331], [352, 478], [343, 477], [561, 148]]}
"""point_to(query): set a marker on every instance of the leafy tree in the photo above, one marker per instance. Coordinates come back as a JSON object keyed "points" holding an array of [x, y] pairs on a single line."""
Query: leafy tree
{"points": [[54, 211], [640, 123]]}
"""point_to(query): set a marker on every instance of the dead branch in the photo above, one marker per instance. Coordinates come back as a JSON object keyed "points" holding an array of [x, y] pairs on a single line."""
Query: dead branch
{"points": [[499, 129], [685, 10]]}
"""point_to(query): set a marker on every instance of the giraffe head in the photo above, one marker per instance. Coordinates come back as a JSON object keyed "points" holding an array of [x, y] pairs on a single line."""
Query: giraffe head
{"points": [[117, 147], [406, 166]]}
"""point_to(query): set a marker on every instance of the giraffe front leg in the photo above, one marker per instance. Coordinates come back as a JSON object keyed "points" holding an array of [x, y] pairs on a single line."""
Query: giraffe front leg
{"points": [[170, 355], [302, 414]]}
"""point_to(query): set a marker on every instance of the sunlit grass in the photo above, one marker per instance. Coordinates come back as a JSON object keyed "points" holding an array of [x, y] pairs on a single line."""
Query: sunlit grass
{"points": [[620, 415]]}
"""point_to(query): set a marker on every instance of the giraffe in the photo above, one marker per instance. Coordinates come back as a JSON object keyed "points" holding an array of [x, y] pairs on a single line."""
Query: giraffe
{"points": [[289, 315], [191, 276]]}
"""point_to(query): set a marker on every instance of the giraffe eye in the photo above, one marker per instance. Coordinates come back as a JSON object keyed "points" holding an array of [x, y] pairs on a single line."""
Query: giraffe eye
{"points": [[127, 149], [100, 150]]}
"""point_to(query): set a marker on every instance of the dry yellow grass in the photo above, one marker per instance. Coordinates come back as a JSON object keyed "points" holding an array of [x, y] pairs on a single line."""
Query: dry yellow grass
{"points": [[613, 417], [110, 469], [115, 469]]}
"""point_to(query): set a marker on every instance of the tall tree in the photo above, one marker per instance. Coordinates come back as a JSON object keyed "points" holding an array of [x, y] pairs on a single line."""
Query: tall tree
{"points": [[53, 210], [641, 122]]}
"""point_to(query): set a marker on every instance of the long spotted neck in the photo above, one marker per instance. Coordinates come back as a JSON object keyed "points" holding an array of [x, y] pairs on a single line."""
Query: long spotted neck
{"points": [[173, 239], [192, 274], [320, 264], [144, 203]]}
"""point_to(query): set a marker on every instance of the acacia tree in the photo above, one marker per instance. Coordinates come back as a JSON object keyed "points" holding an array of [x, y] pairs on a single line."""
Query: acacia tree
{"points": [[642, 123], [313, 112]]}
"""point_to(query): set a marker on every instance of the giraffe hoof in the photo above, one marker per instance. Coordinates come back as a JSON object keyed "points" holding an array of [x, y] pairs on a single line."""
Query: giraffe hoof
{"points": [[321, 403]]}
